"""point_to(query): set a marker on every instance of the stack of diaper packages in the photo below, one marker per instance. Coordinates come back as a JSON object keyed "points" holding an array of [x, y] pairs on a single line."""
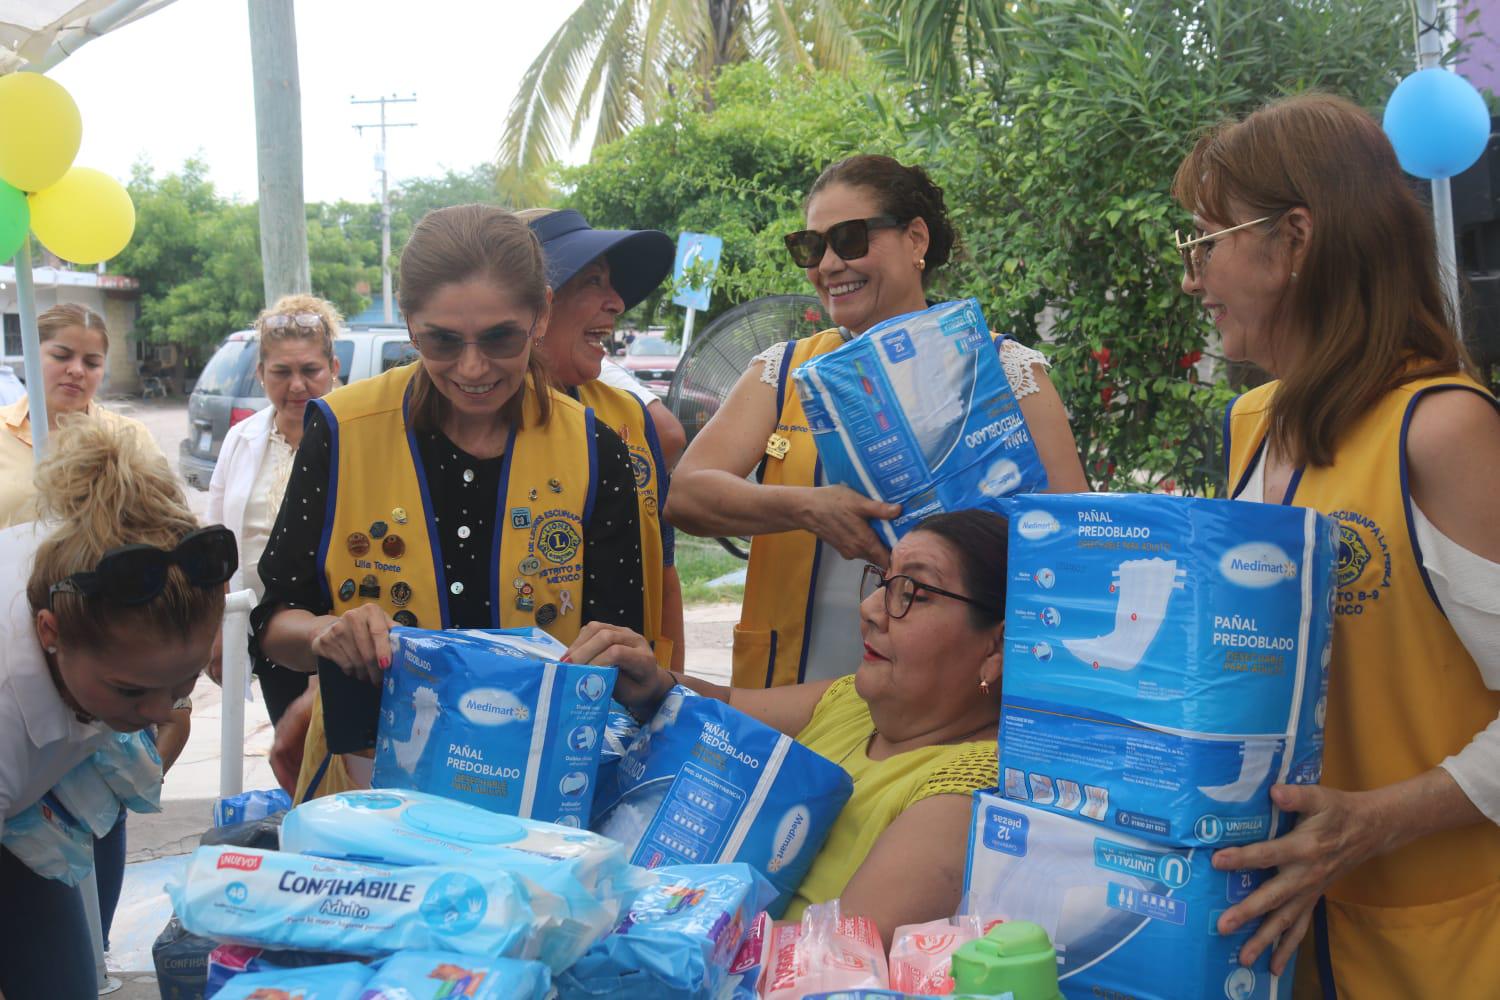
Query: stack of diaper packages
{"points": [[493, 718], [703, 783], [918, 412], [1165, 665]]}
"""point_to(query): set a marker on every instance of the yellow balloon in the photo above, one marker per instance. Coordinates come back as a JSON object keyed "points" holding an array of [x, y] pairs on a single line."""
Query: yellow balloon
{"points": [[40, 130], [86, 217]]}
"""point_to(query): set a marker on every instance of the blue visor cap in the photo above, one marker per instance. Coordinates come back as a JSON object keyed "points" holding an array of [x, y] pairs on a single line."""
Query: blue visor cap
{"points": [[638, 258]]}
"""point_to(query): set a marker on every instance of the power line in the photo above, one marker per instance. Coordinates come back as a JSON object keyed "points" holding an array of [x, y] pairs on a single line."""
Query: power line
{"points": [[385, 189]]}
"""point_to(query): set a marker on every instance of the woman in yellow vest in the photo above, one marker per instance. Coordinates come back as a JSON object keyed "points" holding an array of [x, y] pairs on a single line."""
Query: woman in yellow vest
{"points": [[880, 231], [447, 493], [1316, 263], [597, 274]]}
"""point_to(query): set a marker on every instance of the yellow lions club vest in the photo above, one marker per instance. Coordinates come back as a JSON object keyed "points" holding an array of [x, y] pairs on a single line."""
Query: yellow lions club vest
{"points": [[379, 542], [1403, 694], [626, 416], [771, 640]]}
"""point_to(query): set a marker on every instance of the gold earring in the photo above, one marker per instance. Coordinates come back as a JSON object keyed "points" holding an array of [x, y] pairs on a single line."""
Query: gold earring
{"points": [[921, 264], [984, 686]]}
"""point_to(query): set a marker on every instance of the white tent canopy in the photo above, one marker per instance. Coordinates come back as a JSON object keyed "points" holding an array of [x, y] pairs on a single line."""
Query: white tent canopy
{"points": [[38, 34]]}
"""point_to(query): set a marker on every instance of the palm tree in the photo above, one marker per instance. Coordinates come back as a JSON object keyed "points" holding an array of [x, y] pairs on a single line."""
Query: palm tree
{"points": [[625, 57]]}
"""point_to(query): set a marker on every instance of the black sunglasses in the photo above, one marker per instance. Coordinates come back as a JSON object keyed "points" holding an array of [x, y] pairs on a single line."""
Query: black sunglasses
{"points": [[901, 590], [498, 343], [850, 240], [134, 574]]}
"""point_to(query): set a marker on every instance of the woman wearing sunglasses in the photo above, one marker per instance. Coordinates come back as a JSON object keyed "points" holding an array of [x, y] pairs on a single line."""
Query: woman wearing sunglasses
{"points": [[1315, 261], [296, 366], [111, 607], [457, 491], [75, 347], [914, 726], [877, 232], [596, 274]]}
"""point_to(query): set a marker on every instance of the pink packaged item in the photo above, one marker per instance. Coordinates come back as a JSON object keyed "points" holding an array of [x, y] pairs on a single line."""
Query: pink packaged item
{"points": [[826, 952], [922, 954]]}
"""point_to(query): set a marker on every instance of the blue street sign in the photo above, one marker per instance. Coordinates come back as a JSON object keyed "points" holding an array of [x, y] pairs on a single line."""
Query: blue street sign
{"points": [[695, 248]]}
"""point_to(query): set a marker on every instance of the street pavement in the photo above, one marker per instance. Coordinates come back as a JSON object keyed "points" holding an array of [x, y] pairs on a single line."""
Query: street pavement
{"points": [[159, 843]]}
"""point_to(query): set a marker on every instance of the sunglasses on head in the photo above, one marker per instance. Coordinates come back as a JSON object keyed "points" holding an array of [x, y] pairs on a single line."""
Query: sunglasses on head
{"points": [[497, 343], [134, 574], [302, 320], [850, 240]]}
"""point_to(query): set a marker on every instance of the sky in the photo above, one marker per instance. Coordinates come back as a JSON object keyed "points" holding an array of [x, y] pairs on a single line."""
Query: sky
{"points": [[178, 83]]}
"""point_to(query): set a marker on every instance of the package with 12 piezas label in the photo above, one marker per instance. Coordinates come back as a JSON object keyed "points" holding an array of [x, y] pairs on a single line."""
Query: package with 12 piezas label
{"points": [[1165, 661], [703, 783], [492, 718], [1129, 918], [918, 412]]}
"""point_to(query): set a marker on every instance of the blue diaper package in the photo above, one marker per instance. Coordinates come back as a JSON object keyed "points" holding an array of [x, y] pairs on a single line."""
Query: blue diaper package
{"points": [[1165, 661], [344, 981], [247, 807], [271, 899], [47, 839], [918, 412], [703, 783], [678, 939], [492, 718], [619, 729], [436, 975], [229, 960], [1129, 918]]}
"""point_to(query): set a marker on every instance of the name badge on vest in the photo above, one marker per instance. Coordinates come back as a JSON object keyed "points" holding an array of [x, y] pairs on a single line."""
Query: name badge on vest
{"points": [[777, 445]]}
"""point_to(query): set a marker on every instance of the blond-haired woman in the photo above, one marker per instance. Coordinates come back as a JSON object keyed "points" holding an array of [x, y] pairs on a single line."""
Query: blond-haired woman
{"points": [[109, 612], [297, 365], [75, 345]]}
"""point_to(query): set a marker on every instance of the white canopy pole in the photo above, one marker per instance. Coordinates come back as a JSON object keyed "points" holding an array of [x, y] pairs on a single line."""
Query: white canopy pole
{"points": [[1430, 44], [236, 660], [31, 349]]}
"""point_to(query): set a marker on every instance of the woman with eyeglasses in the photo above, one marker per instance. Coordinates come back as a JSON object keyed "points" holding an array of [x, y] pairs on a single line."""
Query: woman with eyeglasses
{"points": [[1315, 261], [914, 725], [455, 492], [877, 233], [111, 606]]}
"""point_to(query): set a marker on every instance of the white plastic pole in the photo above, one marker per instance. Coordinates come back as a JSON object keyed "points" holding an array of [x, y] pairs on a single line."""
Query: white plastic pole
{"points": [[687, 330], [31, 350], [236, 660], [1432, 31]]}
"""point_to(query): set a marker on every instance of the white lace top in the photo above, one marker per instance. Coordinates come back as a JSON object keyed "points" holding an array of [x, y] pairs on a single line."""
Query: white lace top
{"points": [[1016, 358]]}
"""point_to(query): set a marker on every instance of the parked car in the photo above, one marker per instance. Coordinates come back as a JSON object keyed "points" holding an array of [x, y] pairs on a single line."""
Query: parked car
{"points": [[653, 360], [227, 391]]}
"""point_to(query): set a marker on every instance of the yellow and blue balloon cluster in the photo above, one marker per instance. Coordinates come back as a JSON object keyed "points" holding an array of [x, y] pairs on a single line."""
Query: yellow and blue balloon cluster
{"points": [[80, 214]]}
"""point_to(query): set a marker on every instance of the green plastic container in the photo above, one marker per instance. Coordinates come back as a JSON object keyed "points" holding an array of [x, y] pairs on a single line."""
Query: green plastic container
{"points": [[1014, 959]]}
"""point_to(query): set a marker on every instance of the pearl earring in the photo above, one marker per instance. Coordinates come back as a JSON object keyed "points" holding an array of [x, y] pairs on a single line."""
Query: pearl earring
{"points": [[52, 650]]}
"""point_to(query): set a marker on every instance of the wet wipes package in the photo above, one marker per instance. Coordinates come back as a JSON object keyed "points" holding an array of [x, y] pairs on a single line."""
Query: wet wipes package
{"points": [[344, 981], [703, 783], [1128, 917], [270, 899], [492, 718], [918, 412], [677, 940], [436, 975], [1165, 661]]}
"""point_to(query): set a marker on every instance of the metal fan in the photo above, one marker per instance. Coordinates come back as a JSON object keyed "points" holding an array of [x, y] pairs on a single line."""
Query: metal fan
{"points": [[718, 356]]}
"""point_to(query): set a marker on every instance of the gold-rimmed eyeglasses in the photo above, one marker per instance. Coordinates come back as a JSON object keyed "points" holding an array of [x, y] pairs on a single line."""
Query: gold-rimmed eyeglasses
{"points": [[1197, 250]]}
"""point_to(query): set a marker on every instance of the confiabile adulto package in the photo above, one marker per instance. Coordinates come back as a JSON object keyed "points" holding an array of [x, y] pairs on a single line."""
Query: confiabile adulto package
{"points": [[494, 719], [704, 783], [918, 412], [1165, 661]]}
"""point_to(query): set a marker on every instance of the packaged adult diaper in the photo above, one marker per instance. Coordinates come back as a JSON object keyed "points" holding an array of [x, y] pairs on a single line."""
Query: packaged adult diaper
{"points": [[269, 899], [345, 981], [1128, 917], [678, 938], [743, 980], [918, 412], [436, 975], [250, 806], [131, 767], [826, 951], [703, 783], [229, 960], [181, 962], [491, 718], [619, 729], [1165, 661], [47, 839]]}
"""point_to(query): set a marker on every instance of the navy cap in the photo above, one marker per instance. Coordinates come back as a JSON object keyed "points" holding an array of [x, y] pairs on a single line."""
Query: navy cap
{"points": [[638, 258]]}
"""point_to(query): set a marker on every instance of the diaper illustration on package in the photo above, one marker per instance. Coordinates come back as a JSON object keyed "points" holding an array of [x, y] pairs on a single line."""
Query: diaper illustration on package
{"points": [[437, 975], [704, 783], [492, 718], [1128, 917], [344, 981], [918, 412], [1166, 661]]}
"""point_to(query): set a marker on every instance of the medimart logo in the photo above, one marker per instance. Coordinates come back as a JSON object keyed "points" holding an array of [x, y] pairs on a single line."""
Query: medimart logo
{"points": [[1035, 524], [1257, 565]]}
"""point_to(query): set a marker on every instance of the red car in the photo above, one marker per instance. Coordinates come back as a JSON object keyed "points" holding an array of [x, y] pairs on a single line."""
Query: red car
{"points": [[653, 360]]}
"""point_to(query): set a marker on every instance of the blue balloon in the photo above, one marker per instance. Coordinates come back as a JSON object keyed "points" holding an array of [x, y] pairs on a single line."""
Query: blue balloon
{"points": [[1438, 123]]}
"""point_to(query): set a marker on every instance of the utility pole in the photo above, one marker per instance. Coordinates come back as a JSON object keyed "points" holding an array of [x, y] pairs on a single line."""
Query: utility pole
{"points": [[385, 192], [278, 142]]}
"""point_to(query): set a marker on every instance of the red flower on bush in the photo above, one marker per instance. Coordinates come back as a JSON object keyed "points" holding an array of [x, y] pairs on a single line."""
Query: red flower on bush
{"points": [[1190, 359], [1106, 394], [1169, 486], [1102, 356]]}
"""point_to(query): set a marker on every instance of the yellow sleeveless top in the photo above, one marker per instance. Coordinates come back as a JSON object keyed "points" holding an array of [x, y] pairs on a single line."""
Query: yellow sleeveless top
{"points": [[840, 730], [627, 417], [376, 477], [1403, 694], [771, 640]]}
